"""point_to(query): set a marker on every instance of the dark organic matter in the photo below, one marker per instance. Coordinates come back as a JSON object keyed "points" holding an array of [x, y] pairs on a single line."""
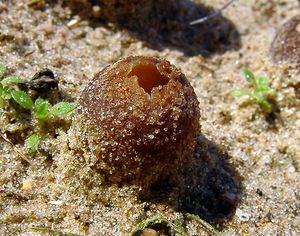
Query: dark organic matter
{"points": [[43, 81]]}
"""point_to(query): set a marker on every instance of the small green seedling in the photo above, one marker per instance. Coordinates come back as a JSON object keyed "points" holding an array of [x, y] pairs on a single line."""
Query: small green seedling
{"points": [[261, 90], [40, 108], [6, 89]]}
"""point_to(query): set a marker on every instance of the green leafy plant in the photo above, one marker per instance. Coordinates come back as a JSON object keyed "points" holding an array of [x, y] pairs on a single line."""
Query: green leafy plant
{"points": [[22, 99], [6, 89], [40, 108], [261, 91]]}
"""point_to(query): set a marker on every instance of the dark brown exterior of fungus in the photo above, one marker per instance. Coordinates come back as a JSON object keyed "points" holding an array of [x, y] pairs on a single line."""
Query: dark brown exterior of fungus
{"points": [[140, 118], [286, 44]]}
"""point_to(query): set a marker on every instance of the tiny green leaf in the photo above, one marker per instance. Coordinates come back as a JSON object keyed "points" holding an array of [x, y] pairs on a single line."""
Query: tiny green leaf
{"points": [[248, 75], [262, 84], [7, 89], [239, 92], [262, 81], [32, 143], [41, 109], [261, 90], [6, 93], [62, 108], [22, 99], [13, 79], [2, 70]]}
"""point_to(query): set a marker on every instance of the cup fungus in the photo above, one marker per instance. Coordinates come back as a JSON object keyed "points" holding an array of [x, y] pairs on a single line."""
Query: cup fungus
{"points": [[139, 118], [286, 44]]}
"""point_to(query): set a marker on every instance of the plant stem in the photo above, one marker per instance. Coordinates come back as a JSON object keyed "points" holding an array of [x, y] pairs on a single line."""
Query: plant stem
{"points": [[206, 226], [20, 154]]}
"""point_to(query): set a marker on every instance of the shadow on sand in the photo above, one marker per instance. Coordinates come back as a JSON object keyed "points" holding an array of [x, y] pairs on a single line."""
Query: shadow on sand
{"points": [[209, 188], [166, 25]]}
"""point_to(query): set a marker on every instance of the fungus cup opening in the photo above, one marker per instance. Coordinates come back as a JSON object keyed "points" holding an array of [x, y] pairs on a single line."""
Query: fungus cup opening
{"points": [[148, 77]]}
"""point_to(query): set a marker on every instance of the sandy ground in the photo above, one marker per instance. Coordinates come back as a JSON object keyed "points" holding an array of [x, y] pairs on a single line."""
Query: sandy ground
{"points": [[244, 179]]}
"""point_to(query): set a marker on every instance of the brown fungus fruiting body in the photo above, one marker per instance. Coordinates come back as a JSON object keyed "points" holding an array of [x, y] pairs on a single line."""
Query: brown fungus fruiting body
{"points": [[285, 47], [139, 120]]}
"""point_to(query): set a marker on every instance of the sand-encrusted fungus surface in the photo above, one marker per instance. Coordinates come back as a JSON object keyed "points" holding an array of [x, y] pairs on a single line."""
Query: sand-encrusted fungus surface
{"points": [[140, 120], [286, 44]]}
